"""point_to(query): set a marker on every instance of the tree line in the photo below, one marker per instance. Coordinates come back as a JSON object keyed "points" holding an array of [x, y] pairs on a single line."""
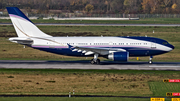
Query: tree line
{"points": [[97, 6]]}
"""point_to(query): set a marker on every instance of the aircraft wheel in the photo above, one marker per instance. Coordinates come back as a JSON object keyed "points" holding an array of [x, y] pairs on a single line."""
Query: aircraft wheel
{"points": [[150, 62], [98, 62], [92, 61], [95, 62], [150, 59]]}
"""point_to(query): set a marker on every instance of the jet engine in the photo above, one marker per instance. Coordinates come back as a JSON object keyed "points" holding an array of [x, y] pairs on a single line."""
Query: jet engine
{"points": [[119, 56]]}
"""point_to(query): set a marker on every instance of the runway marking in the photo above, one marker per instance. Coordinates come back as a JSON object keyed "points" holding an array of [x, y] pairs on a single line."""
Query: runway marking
{"points": [[165, 66]]}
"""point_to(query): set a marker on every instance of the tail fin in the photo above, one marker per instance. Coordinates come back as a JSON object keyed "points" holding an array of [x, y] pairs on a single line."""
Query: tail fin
{"points": [[23, 26]]}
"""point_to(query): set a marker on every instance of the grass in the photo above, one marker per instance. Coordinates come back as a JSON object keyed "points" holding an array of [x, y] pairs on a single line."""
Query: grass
{"points": [[171, 34], [64, 83], [99, 82], [72, 99], [141, 21], [74, 71], [161, 88]]}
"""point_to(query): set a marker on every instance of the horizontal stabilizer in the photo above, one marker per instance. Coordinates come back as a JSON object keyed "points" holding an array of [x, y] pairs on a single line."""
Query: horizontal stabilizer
{"points": [[22, 41]]}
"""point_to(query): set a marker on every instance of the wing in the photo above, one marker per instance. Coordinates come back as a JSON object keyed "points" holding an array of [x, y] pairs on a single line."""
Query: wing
{"points": [[93, 50]]}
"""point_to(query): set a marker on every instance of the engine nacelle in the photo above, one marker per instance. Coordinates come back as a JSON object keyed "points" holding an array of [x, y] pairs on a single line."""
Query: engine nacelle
{"points": [[119, 56]]}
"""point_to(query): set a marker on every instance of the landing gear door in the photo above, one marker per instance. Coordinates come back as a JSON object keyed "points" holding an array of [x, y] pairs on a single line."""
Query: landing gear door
{"points": [[153, 44]]}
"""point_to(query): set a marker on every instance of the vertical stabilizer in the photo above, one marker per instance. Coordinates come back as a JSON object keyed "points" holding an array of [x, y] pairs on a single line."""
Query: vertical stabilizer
{"points": [[23, 26]]}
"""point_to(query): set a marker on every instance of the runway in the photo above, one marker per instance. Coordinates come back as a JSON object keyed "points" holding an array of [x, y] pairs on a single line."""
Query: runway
{"points": [[106, 65], [64, 24]]}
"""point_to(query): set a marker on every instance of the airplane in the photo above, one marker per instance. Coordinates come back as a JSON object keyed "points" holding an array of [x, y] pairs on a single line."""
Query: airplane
{"points": [[114, 48]]}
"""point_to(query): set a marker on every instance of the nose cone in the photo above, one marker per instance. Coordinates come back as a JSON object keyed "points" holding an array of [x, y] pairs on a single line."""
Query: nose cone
{"points": [[171, 46]]}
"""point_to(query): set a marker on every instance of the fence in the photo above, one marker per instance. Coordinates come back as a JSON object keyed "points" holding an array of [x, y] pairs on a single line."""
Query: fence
{"points": [[75, 15]]}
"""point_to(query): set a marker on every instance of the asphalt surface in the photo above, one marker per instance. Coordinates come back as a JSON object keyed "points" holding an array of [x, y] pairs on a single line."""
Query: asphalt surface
{"points": [[106, 65], [64, 24]]}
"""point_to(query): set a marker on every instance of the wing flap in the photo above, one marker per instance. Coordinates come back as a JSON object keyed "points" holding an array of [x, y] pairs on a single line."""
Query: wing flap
{"points": [[92, 50]]}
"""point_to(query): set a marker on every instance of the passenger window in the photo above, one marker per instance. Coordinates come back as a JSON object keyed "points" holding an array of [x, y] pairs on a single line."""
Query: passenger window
{"points": [[165, 43]]}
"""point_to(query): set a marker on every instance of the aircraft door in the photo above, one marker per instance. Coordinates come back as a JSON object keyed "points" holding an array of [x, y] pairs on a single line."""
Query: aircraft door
{"points": [[153, 44], [110, 44], [51, 44]]}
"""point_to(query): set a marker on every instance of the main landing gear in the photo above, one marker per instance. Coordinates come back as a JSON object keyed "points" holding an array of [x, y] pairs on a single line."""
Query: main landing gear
{"points": [[95, 60], [150, 59]]}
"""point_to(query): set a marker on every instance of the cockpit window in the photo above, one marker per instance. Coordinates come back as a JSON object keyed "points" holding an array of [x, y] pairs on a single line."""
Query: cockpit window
{"points": [[165, 43]]}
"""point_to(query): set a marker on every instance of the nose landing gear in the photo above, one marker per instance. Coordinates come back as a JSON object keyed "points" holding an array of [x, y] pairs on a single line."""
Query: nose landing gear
{"points": [[150, 59]]}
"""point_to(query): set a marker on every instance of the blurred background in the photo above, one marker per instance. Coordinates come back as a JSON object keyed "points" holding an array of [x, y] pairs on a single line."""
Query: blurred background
{"points": [[49, 9]]}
